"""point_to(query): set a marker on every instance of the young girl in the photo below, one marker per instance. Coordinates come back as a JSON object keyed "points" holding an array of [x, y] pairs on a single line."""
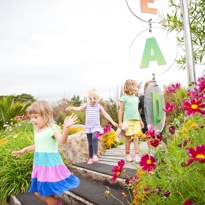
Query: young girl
{"points": [[129, 114], [92, 122], [50, 177]]}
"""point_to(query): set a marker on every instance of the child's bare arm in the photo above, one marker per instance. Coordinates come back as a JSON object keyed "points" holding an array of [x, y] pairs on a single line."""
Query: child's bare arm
{"points": [[76, 108], [24, 150], [107, 116]]}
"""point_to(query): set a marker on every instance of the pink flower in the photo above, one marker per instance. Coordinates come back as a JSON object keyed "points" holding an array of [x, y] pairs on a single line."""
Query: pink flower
{"points": [[148, 162], [150, 132], [173, 88], [193, 106], [106, 130], [156, 140], [201, 84], [117, 170], [196, 155], [169, 107], [188, 202], [172, 129], [167, 193]]}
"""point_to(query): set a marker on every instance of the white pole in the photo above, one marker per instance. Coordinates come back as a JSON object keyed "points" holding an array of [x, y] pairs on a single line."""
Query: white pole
{"points": [[188, 42]]}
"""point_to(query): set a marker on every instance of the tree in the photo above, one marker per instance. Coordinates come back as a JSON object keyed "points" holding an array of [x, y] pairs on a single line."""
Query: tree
{"points": [[173, 22], [75, 101]]}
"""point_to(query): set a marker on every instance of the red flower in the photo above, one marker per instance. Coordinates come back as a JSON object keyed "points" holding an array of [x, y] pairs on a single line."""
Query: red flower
{"points": [[193, 106], [148, 162], [117, 170], [184, 143], [196, 155], [172, 129], [201, 84], [173, 88], [167, 193], [150, 132], [188, 202], [169, 107], [106, 129], [156, 140]]}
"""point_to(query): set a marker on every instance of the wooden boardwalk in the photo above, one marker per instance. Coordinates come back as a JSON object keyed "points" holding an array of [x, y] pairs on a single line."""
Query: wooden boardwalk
{"points": [[113, 155]]}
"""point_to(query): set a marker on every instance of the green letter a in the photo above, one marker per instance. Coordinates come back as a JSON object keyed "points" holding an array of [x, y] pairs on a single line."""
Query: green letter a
{"points": [[151, 45]]}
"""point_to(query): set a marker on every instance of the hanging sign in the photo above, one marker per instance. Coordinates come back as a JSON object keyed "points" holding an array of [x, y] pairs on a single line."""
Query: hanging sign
{"points": [[153, 52]]}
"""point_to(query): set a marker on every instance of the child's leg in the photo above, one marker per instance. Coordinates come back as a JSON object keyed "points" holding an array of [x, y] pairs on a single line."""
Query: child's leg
{"points": [[136, 147], [95, 147], [127, 144], [40, 197], [90, 148], [127, 148], [50, 200], [136, 144]]}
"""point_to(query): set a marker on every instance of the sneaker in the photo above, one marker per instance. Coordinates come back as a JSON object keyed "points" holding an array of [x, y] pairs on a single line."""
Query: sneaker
{"points": [[128, 158], [137, 158], [90, 161], [95, 158]]}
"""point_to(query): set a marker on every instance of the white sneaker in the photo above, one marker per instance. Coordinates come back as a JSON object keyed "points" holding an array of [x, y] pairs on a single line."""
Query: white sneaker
{"points": [[128, 158], [137, 158]]}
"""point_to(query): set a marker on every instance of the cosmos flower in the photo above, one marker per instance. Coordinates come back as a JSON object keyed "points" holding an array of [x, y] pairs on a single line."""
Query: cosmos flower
{"points": [[156, 140], [184, 143], [188, 202], [106, 130], [196, 155], [193, 106], [172, 129], [117, 170], [150, 132], [173, 88], [107, 192], [167, 193], [169, 107], [148, 162], [201, 84]]}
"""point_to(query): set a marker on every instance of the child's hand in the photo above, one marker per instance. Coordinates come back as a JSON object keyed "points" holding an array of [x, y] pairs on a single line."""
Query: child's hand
{"points": [[115, 124], [68, 109], [18, 153], [70, 120]]}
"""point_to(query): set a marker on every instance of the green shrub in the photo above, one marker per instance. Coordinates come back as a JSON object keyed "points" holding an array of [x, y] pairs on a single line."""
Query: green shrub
{"points": [[15, 173]]}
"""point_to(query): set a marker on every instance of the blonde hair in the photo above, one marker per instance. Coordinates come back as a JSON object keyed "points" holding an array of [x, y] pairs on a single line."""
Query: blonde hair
{"points": [[130, 87], [44, 109], [93, 93]]}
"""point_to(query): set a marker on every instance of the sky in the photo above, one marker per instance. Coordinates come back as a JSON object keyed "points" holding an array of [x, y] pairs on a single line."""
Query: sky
{"points": [[54, 49]]}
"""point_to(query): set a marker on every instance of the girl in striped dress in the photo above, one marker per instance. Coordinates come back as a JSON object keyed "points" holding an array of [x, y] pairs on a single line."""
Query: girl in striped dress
{"points": [[92, 122], [50, 176]]}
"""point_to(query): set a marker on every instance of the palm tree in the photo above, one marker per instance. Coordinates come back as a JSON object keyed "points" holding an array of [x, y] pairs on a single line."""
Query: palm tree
{"points": [[9, 109]]}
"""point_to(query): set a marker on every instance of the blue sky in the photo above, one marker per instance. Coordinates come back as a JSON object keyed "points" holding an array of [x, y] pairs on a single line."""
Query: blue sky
{"points": [[54, 49]]}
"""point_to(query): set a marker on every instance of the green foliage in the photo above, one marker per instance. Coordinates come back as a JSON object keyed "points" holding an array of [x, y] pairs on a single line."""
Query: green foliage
{"points": [[183, 182], [24, 98], [75, 101], [15, 173], [112, 109], [173, 22], [9, 109]]}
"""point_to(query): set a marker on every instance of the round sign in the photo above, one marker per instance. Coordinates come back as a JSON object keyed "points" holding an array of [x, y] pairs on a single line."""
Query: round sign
{"points": [[148, 9], [153, 103], [153, 52]]}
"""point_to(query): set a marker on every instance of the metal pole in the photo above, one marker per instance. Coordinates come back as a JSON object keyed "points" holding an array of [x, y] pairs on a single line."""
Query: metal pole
{"points": [[188, 41]]}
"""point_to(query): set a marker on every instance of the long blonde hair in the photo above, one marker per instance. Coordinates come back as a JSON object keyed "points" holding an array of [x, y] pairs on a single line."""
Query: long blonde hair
{"points": [[44, 109], [130, 87]]}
